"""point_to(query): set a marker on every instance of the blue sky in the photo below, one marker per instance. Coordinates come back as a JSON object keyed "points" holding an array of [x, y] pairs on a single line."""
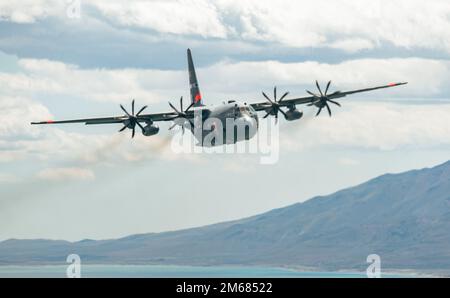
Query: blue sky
{"points": [[75, 182]]}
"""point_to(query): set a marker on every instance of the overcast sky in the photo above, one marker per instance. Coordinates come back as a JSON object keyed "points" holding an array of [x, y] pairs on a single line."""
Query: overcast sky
{"points": [[74, 182]]}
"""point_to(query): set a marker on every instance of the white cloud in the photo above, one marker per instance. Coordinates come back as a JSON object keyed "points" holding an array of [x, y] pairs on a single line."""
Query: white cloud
{"points": [[347, 161], [29, 11], [353, 45], [225, 79], [431, 80], [57, 145], [19, 140], [17, 113], [347, 24], [174, 16], [350, 25], [11, 155], [237, 165], [411, 23], [61, 174], [98, 84], [372, 125], [8, 178]]}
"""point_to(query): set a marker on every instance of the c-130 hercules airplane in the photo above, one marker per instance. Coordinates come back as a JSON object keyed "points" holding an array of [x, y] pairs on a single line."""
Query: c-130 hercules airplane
{"points": [[196, 115]]}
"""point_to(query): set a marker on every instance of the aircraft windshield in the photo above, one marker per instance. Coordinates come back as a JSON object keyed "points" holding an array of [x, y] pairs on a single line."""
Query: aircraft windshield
{"points": [[244, 110]]}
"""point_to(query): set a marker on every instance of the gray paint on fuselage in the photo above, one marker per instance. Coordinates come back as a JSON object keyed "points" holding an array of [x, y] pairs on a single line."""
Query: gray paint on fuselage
{"points": [[242, 114]]}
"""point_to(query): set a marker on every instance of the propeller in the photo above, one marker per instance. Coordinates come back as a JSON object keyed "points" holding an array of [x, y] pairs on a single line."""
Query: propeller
{"points": [[275, 106], [181, 117], [132, 119], [322, 100]]}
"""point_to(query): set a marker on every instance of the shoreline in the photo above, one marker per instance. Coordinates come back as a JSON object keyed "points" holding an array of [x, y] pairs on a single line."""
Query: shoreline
{"points": [[392, 273]]}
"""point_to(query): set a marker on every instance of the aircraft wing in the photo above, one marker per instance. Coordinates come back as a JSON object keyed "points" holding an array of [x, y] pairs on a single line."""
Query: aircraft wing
{"points": [[311, 99], [115, 119]]}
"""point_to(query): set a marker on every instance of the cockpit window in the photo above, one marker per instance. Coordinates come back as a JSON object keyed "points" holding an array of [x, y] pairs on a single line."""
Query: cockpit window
{"points": [[244, 110]]}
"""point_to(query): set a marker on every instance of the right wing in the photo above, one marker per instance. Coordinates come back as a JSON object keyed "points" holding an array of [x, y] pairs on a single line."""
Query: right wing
{"points": [[311, 99]]}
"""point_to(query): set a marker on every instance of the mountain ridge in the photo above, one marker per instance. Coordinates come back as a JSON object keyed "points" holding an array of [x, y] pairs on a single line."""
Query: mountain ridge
{"points": [[403, 217]]}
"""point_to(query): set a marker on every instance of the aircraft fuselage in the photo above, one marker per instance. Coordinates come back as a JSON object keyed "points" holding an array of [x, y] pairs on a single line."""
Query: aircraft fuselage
{"points": [[228, 123]]}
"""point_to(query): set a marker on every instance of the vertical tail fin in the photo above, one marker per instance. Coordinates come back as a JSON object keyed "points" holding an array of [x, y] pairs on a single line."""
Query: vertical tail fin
{"points": [[196, 96]]}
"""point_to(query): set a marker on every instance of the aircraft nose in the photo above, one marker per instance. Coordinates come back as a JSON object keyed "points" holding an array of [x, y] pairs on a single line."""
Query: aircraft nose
{"points": [[251, 122], [255, 118]]}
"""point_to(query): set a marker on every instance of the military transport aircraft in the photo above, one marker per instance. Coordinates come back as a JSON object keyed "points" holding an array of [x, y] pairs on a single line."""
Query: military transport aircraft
{"points": [[197, 114]]}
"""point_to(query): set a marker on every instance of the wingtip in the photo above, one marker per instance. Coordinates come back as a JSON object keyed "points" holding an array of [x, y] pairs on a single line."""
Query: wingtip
{"points": [[397, 84], [42, 122]]}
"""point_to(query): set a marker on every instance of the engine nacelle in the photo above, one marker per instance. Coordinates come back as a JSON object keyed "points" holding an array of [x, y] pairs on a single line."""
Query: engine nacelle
{"points": [[293, 114], [150, 129]]}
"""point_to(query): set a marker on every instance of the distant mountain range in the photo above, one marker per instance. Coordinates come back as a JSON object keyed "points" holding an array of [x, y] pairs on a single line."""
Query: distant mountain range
{"points": [[404, 218]]}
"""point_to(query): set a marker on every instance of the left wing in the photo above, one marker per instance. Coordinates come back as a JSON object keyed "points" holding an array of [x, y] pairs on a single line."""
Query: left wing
{"points": [[127, 118], [115, 119], [130, 120], [314, 97]]}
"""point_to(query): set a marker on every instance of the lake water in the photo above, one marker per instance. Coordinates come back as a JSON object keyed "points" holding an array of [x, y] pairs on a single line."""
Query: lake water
{"points": [[168, 271]]}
